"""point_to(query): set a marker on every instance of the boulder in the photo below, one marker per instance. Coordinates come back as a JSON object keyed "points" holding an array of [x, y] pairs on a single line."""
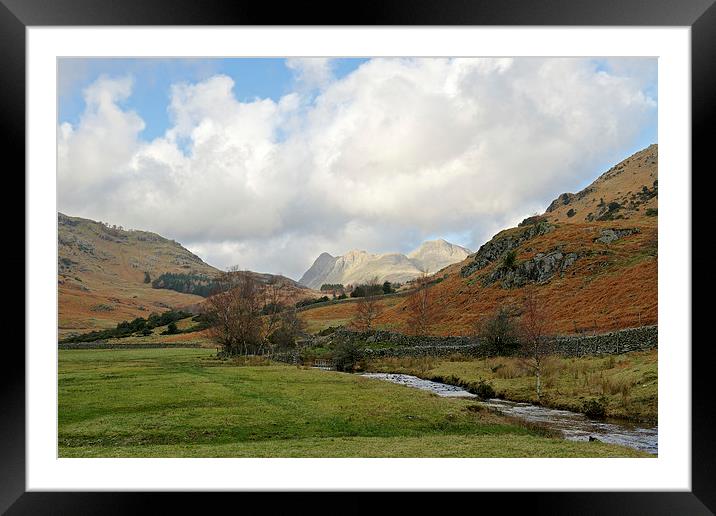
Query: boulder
{"points": [[607, 236]]}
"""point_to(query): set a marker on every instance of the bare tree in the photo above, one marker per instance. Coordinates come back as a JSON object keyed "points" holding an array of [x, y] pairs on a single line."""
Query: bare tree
{"points": [[273, 303], [421, 307], [533, 334], [367, 307], [235, 314]]}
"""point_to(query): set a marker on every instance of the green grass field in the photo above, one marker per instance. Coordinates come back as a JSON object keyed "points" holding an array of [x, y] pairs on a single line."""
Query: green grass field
{"points": [[185, 403]]}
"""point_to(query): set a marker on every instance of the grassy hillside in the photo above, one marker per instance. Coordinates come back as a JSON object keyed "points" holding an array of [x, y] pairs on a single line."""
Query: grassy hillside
{"points": [[183, 403], [631, 187], [608, 286], [102, 273], [107, 275]]}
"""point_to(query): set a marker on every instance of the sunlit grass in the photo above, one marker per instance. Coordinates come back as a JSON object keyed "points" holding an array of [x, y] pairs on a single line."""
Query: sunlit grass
{"points": [[184, 402]]}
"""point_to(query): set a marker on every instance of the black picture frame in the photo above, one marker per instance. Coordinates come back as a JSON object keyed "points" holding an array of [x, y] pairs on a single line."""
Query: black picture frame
{"points": [[17, 15]]}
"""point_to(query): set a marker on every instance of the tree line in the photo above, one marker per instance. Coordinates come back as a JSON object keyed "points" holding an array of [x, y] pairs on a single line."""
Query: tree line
{"points": [[197, 284], [138, 326]]}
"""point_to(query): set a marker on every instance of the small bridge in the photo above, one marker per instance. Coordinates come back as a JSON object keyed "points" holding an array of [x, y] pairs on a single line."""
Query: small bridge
{"points": [[322, 364]]}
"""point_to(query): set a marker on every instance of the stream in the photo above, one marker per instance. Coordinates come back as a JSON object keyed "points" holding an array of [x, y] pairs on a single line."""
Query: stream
{"points": [[572, 425]]}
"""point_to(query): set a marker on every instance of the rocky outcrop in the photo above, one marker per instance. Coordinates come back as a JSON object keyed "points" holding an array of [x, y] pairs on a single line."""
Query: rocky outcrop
{"points": [[562, 200], [539, 269], [568, 198], [607, 236], [501, 243]]}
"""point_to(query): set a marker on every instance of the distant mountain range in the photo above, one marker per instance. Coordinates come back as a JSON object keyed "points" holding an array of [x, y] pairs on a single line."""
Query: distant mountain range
{"points": [[357, 267]]}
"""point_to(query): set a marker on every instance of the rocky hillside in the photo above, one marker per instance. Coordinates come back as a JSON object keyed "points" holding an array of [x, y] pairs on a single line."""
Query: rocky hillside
{"points": [[357, 267], [592, 270], [628, 190]]}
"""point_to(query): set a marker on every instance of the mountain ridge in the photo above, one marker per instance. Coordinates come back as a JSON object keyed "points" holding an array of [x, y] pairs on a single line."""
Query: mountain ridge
{"points": [[359, 266]]}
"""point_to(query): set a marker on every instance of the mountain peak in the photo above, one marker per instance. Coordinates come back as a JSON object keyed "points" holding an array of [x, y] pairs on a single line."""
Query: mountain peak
{"points": [[437, 243], [358, 266], [433, 255]]}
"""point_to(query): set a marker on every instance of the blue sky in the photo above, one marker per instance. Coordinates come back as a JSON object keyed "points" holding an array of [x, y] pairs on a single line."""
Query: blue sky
{"points": [[253, 78], [265, 163]]}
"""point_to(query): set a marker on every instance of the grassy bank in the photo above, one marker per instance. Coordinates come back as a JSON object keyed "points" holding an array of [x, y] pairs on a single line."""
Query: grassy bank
{"points": [[182, 402], [625, 384]]}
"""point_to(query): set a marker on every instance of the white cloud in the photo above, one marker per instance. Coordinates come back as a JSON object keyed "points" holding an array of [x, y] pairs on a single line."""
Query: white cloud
{"points": [[397, 151], [311, 72]]}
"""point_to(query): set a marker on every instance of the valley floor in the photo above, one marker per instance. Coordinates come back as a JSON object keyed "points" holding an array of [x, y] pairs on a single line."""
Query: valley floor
{"points": [[186, 403]]}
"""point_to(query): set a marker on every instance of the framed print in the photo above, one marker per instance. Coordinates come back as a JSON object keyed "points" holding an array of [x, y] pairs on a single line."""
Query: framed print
{"points": [[270, 253]]}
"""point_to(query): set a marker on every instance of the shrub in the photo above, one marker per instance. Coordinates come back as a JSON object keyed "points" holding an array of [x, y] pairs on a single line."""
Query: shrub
{"points": [[612, 212], [571, 212], [594, 409], [346, 355], [509, 260], [652, 212], [483, 390], [499, 332]]}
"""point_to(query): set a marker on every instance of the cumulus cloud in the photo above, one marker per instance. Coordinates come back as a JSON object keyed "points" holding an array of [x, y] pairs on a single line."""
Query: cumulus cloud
{"points": [[311, 72], [397, 151]]}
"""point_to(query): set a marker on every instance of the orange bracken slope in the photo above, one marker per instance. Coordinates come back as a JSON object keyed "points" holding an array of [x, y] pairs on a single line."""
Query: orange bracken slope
{"points": [[612, 282]]}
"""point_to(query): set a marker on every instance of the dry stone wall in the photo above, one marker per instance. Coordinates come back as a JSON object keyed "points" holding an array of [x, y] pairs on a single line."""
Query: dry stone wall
{"points": [[397, 345]]}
